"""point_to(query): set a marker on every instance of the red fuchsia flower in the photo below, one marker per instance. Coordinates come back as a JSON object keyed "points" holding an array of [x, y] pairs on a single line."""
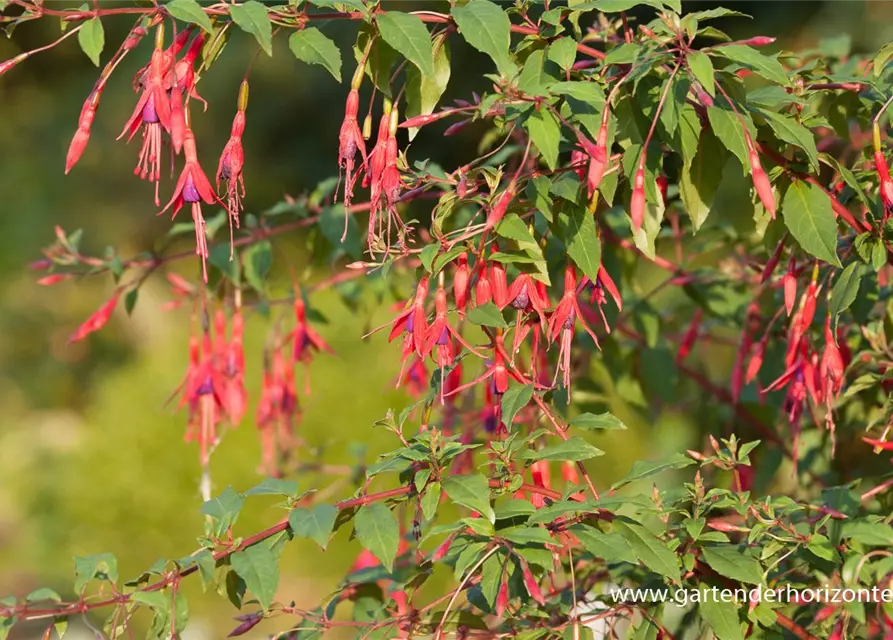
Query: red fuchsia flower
{"points": [[483, 291], [85, 123], [498, 208], [230, 362], [277, 413], [378, 158], [789, 282], [760, 179], [879, 445], [498, 281], [181, 81], [578, 160], [496, 370], [305, 339], [831, 371], [441, 333], [531, 583], [691, 336], [802, 320], [201, 392], [350, 140], [662, 186], [502, 599], [598, 154], [604, 282], [98, 320], [527, 295], [637, 204], [886, 183], [152, 114], [193, 188], [413, 322], [756, 360], [461, 281], [772, 263], [391, 182], [561, 326], [414, 378], [750, 325]]}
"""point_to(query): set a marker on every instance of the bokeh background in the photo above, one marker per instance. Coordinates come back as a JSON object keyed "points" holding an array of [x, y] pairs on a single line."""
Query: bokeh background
{"points": [[91, 459]]}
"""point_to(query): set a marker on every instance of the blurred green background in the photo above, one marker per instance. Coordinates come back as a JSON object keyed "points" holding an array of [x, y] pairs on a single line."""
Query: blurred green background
{"points": [[91, 460]]}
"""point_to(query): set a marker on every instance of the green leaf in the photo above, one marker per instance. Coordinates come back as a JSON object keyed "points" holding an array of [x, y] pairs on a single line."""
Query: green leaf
{"points": [[545, 133], [845, 289], [792, 132], [880, 60], [699, 181], [870, 533], [593, 421], [563, 52], [513, 400], [224, 509], [731, 562], [219, 256], [378, 531], [810, 219], [408, 35], [611, 547], [331, 223], [311, 46], [487, 315], [581, 240], [487, 28], [423, 91], [766, 66], [315, 523], [189, 11], [102, 566], [274, 487], [574, 449], [42, 595], [588, 92], [252, 18], [259, 568], [91, 37], [257, 261], [651, 551], [626, 53], [471, 491], [721, 616], [644, 469], [526, 535], [727, 127], [431, 500], [702, 68]]}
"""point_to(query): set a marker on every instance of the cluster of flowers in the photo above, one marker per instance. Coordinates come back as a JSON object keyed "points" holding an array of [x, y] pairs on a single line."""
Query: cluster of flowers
{"points": [[165, 86], [214, 386]]}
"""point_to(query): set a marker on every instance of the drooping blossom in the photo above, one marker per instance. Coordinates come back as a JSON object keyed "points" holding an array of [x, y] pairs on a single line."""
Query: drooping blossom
{"points": [[350, 140], [98, 320], [277, 413], [413, 324], [232, 160], [230, 355], [193, 188], [181, 82], [201, 393], [562, 324], [152, 114], [305, 340]]}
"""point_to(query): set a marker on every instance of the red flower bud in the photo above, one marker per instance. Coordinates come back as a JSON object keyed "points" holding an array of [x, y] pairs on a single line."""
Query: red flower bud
{"points": [[502, 599], [498, 209], [55, 278], [98, 320], [530, 582], [761, 182], [637, 204], [499, 284], [460, 282]]}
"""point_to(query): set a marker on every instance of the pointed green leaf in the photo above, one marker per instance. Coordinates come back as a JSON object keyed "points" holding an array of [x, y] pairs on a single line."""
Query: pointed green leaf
{"points": [[189, 11], [546, 134], [792, 132], [644, 469], [581, 240], [810, 219], [766, 66], [311, 46], [726, 125], [699, 182], [721, 616], [472, 491], [487, 315], [563, 52], [423, 91], [652, 552], [431, 500], [611, 547], [845, 289], [102, 566], [378, 531], [274, 487], [259, 568], [91, 37], [593, 421], [224, 509], [729, 561], [702, 68], [43, 594], [315, 523], [574, 449], [487, 28], [252, 18], [408, 35], [257, 261], [513, 400]]}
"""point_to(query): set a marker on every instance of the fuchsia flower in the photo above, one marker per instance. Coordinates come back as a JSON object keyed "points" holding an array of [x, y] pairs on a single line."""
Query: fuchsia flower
{"points": [[789, 282], [886, 183], [413, 322], [232, 159], [604, 282], [562, 323], [181, 81], [305, 340], [461, 282], [759, 177], [598, 154], [831, 371], [193, 188], [441, 333], [98, 320], [201, 392], [230, 363], [277, 412], [637, 204], [153, 114], [350, 140]]}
